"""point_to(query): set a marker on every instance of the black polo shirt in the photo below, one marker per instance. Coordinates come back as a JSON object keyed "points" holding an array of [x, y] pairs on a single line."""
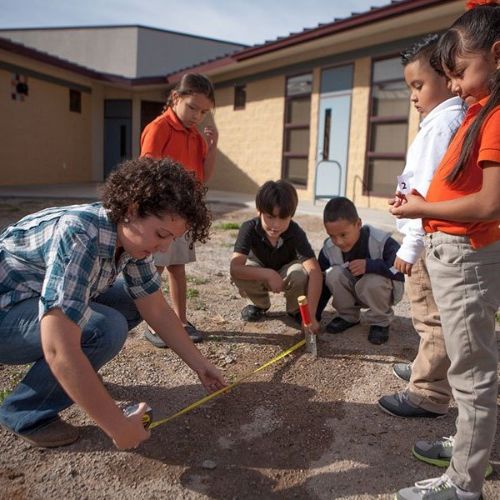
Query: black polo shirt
{"points": [[292, 245]]}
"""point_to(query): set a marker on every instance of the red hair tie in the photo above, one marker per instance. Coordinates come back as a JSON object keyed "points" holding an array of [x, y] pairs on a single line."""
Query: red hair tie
{"points": [[470, 4]]}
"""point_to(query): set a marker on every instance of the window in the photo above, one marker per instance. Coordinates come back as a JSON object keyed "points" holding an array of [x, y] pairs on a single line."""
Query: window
{"points": [[240, 96], [388, 127], [75, 101], [296, 133]]}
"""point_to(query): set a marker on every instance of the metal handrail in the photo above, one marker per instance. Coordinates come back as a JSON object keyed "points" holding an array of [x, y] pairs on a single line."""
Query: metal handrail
{"points": [[335, 162]]}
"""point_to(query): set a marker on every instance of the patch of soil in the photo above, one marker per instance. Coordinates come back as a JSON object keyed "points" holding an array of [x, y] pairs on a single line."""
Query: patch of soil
{"points": [[301, 428]]}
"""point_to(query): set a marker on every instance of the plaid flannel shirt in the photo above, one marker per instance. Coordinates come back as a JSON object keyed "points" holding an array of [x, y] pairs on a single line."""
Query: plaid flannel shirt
{"points": [[66, 257]]}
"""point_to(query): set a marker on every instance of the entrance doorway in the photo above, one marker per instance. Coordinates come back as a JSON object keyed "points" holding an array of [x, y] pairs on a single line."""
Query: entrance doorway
{"points": [[117, 133], [333, 131]]}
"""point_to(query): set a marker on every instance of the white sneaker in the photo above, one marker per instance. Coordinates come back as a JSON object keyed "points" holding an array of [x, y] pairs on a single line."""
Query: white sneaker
{"points": [[437, 488]]}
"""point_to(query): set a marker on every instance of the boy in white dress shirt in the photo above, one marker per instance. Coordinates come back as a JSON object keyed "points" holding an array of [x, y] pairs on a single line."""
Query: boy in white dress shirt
{"points": [[428, 392]]}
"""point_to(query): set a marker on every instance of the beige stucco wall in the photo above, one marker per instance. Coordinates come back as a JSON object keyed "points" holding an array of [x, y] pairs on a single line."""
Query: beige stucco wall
{"points": [[42, 140], [358, 134], [251, 139]]}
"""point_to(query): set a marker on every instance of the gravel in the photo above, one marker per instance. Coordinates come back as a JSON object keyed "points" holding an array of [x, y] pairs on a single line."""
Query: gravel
{"points": [[301, 428]]}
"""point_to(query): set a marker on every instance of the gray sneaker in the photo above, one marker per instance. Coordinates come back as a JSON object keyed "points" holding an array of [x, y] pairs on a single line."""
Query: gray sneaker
{"points": [[402, 371], [437, 488], [439, 453]]}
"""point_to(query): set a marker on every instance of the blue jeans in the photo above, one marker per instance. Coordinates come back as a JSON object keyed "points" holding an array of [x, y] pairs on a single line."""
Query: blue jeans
{"points": [[38, 398]]}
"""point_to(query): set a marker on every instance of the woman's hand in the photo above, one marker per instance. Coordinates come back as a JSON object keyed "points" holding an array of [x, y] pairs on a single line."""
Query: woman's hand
{"points": [[131, 433], [413, 208], [211, 377]]}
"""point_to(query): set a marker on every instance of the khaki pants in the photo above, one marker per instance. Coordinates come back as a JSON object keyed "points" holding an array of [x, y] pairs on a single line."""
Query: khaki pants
{"points": [[349, 295], [295, 277], [466, 287], [428, 387]]}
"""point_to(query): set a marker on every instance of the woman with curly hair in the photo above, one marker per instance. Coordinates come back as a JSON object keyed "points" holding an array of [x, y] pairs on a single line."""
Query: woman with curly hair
{"points": [[75, 280]]}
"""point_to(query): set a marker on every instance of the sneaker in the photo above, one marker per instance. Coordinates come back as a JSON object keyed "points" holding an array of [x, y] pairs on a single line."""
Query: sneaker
{"points": [[339, 325], [52, 435], [378, 334], [437, 488], [252, 313], [155, 339], [399, 405], [193, 333], [439, 453], [402, 371]]}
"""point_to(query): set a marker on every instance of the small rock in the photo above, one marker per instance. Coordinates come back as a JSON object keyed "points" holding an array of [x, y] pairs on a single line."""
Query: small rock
{"points": [[209, 464]]}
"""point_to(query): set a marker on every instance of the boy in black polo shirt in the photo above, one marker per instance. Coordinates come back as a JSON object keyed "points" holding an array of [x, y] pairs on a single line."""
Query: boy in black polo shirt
{"points": [[272, 254], [358, 264]]}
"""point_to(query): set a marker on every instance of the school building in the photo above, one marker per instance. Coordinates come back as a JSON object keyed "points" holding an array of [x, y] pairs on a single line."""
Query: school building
{"points": [[73, 101], [326, 108]]}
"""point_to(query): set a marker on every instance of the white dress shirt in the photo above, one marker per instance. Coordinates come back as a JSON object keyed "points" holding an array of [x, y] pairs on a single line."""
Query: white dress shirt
{"points": [[423, 157]]}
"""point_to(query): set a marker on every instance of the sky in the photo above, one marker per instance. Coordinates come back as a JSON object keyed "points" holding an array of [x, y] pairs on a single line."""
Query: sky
{"points": [[243, 21]]}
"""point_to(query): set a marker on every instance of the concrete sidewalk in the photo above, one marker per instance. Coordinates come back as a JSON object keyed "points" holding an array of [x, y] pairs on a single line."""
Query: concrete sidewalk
{"points": [[89, 191]]}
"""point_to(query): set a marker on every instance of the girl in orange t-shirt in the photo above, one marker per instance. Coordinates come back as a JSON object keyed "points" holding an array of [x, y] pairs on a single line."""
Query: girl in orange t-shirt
{"points": [[462, 216], [174, 134]]}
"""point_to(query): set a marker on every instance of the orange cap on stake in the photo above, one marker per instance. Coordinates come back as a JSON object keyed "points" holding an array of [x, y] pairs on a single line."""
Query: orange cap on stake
{"points": [[304, 310]]}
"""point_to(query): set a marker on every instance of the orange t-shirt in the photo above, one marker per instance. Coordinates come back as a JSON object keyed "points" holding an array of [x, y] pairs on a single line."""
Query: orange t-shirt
{"points": [[166, 136], [487, 148]]}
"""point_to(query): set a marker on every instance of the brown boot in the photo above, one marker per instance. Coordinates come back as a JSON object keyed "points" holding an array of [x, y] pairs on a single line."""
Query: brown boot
{"points": [[55, 433]]}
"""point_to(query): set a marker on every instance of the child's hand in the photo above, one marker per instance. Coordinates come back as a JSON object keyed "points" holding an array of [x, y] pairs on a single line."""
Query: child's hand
{"points": [[402, 266], [211, 136], [398, 200], [315, 327], [412, 209], [275, 282], [211, 377], [357, 267], [132, 432]]}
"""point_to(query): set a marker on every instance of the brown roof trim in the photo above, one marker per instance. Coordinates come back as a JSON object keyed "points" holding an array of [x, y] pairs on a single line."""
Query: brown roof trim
{"points": [[43, 57], [356, 20], [201, 68], [396, 8]]}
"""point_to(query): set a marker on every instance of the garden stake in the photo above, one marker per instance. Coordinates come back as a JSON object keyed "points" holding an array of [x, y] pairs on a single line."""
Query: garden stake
{"points": [[311, 345]]}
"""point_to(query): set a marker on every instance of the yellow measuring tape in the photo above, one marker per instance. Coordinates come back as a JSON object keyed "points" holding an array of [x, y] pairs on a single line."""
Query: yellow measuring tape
{"points": [[227, 388]]}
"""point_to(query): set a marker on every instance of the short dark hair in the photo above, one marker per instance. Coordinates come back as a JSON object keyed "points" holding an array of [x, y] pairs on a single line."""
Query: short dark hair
{"points": [[424, 50], [279, 194], [340, 208], [157, 187]]}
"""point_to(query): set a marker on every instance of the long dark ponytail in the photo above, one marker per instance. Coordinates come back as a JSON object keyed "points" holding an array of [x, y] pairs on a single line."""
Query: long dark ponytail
{"points": [[475, 31], [189, 84]]}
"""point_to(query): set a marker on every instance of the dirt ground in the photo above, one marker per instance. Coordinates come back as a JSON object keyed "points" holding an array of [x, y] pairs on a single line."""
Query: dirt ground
{"points": [[301, 428]]}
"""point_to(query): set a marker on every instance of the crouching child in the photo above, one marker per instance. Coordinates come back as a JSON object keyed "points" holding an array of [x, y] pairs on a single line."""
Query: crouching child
{"points": [[358, 264]]}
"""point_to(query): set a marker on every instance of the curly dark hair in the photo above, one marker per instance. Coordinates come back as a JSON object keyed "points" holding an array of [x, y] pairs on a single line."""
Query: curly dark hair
{"points": [[157, 187]]}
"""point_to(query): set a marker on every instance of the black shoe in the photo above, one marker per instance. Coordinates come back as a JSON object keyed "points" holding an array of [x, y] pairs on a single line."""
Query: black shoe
{"points": [[296, 317], [399, 405], [193, 333], [402, 371], [252, 313], [339, 325], [378, 334], [154, 339]]}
